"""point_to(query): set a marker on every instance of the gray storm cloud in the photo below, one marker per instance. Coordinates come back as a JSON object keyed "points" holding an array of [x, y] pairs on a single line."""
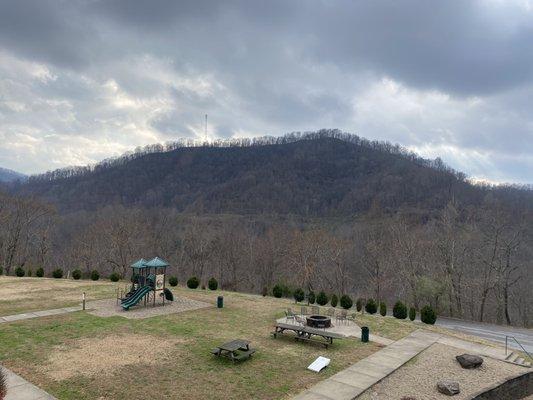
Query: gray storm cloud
{"points": [[84, 80]]}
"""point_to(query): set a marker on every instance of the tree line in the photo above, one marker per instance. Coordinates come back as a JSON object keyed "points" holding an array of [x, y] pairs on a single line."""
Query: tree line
{"points": [[466, 262], [293, 137]]}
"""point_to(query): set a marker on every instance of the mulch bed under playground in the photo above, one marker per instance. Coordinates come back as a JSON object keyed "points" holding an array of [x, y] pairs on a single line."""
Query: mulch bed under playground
{"points": [[110, 308]]}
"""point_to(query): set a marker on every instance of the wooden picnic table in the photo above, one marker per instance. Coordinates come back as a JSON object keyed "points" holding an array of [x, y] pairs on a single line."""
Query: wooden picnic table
{"points": [[305, 333], [235, 350]]}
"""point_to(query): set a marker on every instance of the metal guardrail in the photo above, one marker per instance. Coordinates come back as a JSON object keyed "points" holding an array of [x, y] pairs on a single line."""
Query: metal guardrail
{"points": [[517, 342]]}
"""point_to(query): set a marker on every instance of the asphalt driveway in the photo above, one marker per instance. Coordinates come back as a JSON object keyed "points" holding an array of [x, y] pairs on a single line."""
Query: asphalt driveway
{"points": [[496, 333]]}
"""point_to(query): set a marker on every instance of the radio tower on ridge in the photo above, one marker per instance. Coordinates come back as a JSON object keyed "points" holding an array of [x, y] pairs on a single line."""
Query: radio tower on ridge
{"points": [[205, 128]]}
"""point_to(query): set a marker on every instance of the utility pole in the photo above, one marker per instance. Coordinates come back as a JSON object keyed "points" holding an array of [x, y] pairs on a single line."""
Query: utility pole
{"points": [[206, 128]]}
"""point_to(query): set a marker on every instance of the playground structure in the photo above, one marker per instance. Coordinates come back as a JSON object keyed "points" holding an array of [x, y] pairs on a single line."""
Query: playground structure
{"points": [[148, 283]]}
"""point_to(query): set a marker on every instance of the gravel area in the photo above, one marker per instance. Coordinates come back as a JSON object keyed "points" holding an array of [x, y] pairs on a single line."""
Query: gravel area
{"points": [[109, 308], [418, 378]]}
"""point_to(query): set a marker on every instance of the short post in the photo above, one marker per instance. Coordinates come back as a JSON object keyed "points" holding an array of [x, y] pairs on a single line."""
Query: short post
{"points": [[83, 301], [506, 345], [365, 333], [220, 301]]}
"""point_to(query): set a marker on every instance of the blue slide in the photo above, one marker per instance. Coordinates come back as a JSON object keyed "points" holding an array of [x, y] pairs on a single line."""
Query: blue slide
{"points": [[136, 297]]}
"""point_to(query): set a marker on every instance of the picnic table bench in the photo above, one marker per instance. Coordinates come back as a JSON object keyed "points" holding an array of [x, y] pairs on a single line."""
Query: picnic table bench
{"points": [[236, 350], [304, 333]]}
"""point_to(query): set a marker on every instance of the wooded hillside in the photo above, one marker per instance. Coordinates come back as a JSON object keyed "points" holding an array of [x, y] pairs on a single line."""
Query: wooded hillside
{"points": [[321, 174], [324, 211]]}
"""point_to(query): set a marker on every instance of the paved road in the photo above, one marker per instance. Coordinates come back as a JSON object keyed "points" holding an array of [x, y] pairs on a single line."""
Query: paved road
{"points": [[492, 332]]}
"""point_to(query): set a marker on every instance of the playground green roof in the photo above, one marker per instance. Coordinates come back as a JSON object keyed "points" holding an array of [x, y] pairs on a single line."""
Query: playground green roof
{"points": [[156, 262], [139, 263]]}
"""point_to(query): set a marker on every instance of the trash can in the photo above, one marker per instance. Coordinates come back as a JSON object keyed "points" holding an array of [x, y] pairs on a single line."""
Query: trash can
{"points": [[220, 301], [365, 333]]}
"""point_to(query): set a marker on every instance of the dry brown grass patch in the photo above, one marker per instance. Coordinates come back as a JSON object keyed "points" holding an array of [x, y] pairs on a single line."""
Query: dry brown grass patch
{"points": [[92, 356]]}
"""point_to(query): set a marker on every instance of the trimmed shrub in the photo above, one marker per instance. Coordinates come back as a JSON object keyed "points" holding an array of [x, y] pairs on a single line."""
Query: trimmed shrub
{"points": [[359, 304], [298, 295], [212, 284], [287, 292], [428, 315], [1, 270], [57, 273], [334, 300], [173, 281], [193, 282], [371, 306], [19, 271], [277, 291], [412, 313], [40, 272], [168, 294], [114, 277], [399, 310], [76, 274], [311, 297], [346, 302], [95, 275], [382, 309], [322, 298]]}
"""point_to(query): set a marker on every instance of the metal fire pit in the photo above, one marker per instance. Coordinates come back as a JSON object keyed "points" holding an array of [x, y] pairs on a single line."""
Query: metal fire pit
{"points": [[318, 321]]}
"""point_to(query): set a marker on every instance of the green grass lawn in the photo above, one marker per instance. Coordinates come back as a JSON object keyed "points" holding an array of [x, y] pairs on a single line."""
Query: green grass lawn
{"points": [[387, 327], [81, 356], [19, 295], [186, 369]]}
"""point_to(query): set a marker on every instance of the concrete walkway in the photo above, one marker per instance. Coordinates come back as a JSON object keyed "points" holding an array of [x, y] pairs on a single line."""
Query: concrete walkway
{"points": [[20, 389], [350, 383], [38, 314]]}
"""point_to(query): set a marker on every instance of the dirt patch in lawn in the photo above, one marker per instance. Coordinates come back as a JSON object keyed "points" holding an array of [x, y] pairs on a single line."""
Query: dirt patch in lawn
{"points": [[92, 356], [418, 378]]}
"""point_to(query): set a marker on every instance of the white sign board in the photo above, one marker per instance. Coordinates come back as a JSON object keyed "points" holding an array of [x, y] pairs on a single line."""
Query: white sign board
{"points": [[319, 364], [159, 282]]}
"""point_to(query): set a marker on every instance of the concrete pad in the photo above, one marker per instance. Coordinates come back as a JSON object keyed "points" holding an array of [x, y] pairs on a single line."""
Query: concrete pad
{"points": [[18, 317], [26, 392], [371, 369], [336, 390], [354, 378], [311, 396], [13, 379], [20, 389], [47, 313], [404, 352], [386, 359], [72, 309]]}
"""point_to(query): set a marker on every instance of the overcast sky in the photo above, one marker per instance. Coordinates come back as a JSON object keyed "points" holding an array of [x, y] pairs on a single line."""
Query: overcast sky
{"points": [[81, 81]]}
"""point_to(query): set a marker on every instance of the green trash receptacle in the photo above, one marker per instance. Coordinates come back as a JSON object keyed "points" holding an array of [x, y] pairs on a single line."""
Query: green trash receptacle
{"points": [[365, 333], [220, 301]]}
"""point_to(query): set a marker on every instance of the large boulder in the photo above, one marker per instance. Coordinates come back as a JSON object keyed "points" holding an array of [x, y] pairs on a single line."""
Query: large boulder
{"points": [[469, 361], [448, 388]]}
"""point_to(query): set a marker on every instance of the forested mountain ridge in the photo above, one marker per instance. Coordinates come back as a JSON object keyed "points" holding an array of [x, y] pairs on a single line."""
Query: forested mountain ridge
{"points": [[327, 173], [368, 219], [8, 175]]}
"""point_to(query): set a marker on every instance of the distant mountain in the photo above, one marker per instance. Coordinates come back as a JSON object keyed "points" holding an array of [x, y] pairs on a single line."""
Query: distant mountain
{"points": [[7, 175], [327, 173]]}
